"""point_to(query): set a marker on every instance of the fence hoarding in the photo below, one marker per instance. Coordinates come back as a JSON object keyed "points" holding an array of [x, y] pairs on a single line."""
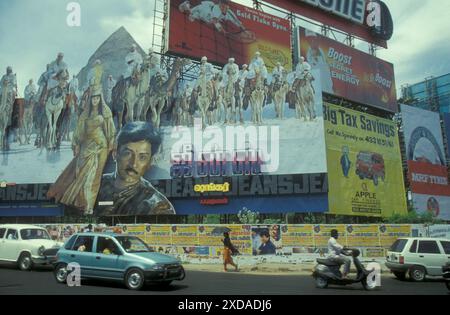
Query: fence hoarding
{"points": [[364, 164], [347, 72]]}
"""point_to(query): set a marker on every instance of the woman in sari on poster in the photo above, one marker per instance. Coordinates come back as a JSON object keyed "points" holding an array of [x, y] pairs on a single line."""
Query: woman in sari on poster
{"points": [[92, 142]]}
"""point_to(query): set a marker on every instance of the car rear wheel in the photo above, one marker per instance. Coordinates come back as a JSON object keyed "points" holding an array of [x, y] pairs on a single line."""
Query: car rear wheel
{"points": [[400, 275], [417, 273], [61, 273], [25, 263], [134, 279]]}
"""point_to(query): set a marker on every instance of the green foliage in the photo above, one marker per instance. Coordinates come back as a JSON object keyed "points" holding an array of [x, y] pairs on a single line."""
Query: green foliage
{"points": [[212, 219], [413, 218], [247, 216]]}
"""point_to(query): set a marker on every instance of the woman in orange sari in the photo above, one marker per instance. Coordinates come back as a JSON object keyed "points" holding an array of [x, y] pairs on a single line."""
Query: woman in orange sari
{"points": [[227, 252]]}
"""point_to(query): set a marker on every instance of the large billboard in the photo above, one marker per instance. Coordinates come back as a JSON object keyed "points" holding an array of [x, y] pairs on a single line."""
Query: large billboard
{"points": [[368, 20], [220, 30], [347, 72], [269, 158], [364, 164], [428, 174]]}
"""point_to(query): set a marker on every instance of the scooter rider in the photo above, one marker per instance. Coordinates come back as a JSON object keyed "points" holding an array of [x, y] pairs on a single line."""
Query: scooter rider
{"points": [[335, 253]]}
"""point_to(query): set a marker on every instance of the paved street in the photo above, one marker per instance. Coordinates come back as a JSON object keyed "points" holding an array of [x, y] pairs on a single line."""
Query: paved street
{"points": [[41, 281]]}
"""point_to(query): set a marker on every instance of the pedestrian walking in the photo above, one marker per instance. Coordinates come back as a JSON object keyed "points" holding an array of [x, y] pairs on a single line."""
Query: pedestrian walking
{"points": [[228, 251]]}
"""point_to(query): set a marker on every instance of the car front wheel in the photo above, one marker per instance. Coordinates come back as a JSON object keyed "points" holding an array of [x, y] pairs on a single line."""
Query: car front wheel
{"points": [[25, 263], [61, 273], [134, 279], [417, 273]]}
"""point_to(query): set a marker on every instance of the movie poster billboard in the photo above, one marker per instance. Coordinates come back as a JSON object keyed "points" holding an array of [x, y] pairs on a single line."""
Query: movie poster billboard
{"points": [[427, 165], [179, 145], [220, 30], [347, 72], [364, 164]]}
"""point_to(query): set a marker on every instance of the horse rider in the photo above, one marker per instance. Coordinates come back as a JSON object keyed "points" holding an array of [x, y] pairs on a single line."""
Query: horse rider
{"points": [[230, 72], [58, 71], [134, 61]]}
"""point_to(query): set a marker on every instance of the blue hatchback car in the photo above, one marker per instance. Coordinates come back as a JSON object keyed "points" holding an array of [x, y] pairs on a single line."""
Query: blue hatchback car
{"points": [[116, 257]]}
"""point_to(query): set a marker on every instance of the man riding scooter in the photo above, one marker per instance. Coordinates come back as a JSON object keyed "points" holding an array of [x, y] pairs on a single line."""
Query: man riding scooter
{"points": [[335, 253], [328, 271]]}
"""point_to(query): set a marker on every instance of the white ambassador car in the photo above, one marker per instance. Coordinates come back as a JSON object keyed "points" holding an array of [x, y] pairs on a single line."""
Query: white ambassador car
{"points": [[27, 246]]}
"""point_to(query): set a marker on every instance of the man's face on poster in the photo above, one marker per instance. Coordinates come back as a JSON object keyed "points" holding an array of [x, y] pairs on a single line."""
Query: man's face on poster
{"points": [[133, 160], [264, 239]]}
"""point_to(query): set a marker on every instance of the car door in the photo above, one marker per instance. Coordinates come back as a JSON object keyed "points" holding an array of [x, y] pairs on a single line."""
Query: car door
{"points": [[446, 247], [2, 242], [108, 258], [10, 245], [82, 253], [433, 259]]}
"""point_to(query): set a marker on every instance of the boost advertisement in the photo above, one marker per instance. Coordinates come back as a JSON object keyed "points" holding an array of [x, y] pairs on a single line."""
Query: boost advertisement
{"points": [[364, 164], [347, 72], [427, 164], [220, 30]]}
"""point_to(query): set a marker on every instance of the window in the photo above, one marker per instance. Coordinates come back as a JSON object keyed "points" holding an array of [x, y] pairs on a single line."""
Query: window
{"points": [[12, 235], [132, 244], [446, 246], [398, 246], [70, 242], [429, 247], [84, 244], [107, 246], [2, 232], [413, 248], [34, 234]]}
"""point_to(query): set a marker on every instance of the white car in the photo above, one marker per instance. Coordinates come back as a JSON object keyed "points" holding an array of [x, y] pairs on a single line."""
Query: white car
{"points": [[419, 257], [27, 245]]}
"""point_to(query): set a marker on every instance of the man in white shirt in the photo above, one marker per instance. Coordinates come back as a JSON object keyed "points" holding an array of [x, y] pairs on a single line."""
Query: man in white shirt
{"points": [[335, 253]]}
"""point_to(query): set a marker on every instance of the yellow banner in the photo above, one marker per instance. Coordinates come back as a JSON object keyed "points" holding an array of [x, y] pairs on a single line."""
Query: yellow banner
{"points": [[362, 236], [185, 235], [297, 235], [390, 233], [135, 230], [322, 234], [364, 164], [158, 235]]}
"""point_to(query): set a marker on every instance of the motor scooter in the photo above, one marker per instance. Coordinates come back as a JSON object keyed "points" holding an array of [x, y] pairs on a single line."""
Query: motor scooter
{"points": [[328, 272]]}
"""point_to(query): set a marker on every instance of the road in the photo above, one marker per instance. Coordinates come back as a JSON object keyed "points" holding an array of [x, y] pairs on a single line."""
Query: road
{"points": [[41, 281]]}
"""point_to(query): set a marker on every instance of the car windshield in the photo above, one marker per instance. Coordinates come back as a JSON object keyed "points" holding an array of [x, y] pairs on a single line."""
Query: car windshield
{"points": [[132, 244], [34, 234]]}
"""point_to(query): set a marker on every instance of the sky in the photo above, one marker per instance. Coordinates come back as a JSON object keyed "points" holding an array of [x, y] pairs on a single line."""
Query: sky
{"points": [[33, 32]]}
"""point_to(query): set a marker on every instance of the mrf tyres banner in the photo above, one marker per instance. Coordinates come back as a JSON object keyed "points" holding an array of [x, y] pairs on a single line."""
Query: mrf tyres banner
{"points": [[427, 167], [364, 164], [347, 72]]}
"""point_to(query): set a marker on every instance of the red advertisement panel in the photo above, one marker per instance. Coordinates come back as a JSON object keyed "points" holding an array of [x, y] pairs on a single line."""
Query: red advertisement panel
{"points": [[349, 73], [428, 179], [220, 31], [315, 13]]}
